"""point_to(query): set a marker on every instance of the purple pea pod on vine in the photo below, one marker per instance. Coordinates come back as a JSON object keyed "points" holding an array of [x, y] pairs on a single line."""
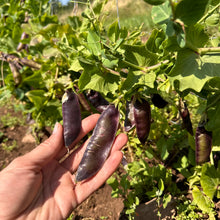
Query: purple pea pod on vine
{"points": [[129, 116], [158, 100], [16, 74], [84, 103], [83, 100], [203, 144], [185, 115], [142, 116], [99, 144], [216, 158], [22, 46], [97, 100], [71, 117]]}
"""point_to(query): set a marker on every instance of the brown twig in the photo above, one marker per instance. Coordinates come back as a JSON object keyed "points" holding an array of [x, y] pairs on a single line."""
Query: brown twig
{"points": [[2, 72], [19, 62]]}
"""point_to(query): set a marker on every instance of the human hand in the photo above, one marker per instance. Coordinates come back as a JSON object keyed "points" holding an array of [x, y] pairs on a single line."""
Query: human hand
{"points": [[37, 186]]}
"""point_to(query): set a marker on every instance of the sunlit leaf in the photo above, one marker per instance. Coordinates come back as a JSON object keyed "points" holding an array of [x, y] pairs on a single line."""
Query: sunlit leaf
{"points": [[36, 97], [96, 80], [138, 79], [196, 36], [202, 201], [161, 13], [139, 55], [94, 44], [209, 180], [193, 71], [190, 11]]}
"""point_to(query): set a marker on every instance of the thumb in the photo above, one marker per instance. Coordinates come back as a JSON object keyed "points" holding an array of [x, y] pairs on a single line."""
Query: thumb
{"points": [[47, 150]]}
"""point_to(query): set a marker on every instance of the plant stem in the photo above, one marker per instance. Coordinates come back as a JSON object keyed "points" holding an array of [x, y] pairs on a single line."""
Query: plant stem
{"points": [[146, 69], [83, 3], [75, 8], [203, 51], [19, 62], [162, 84], [111, 71], [118, 14], [209, 13], [2, 72]]}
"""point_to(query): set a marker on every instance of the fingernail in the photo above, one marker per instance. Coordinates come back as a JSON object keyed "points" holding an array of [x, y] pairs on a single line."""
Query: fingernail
{"points": [[55, 128]]}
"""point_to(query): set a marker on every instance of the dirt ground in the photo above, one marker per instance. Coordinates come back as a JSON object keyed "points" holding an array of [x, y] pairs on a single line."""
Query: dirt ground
{"points": [[100, 205]]}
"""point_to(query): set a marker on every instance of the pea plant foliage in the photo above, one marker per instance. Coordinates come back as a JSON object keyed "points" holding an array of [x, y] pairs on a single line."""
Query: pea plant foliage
{"points": [[174, 70]]}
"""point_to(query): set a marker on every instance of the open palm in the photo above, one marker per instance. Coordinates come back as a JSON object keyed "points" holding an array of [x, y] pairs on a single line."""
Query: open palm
{"points": [[39, 186]]}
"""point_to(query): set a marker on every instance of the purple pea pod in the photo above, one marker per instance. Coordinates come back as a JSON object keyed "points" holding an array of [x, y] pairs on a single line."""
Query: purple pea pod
{"points": [[142, 116], [83, 100], [99, 145], [96, 99], [22, 46], [184, 113], [158, 101], [203, 144], [71, 117], [129, 117]]}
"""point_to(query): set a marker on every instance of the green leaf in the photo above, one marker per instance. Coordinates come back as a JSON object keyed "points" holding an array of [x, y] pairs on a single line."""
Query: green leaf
{"points": [[74, 22], [51, 52], [139, 55], [161, 13], [75, 65], [99, 81], [171, 44], [49, 30], [113, 31], [113, 182], [213, 20], [190, 11], [98, 6], [36, 97], [7, 45], [155, 40], [162, 147], [94, 44], [181, 38], [16, 33], [196, 36], [138, 79], [160, 187], [166, 200], [35, 80], [48, 19], [176, 30], [209, 180], [203, 202], [193, 71], [213, 123], [109, 61], [14, 4]]}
